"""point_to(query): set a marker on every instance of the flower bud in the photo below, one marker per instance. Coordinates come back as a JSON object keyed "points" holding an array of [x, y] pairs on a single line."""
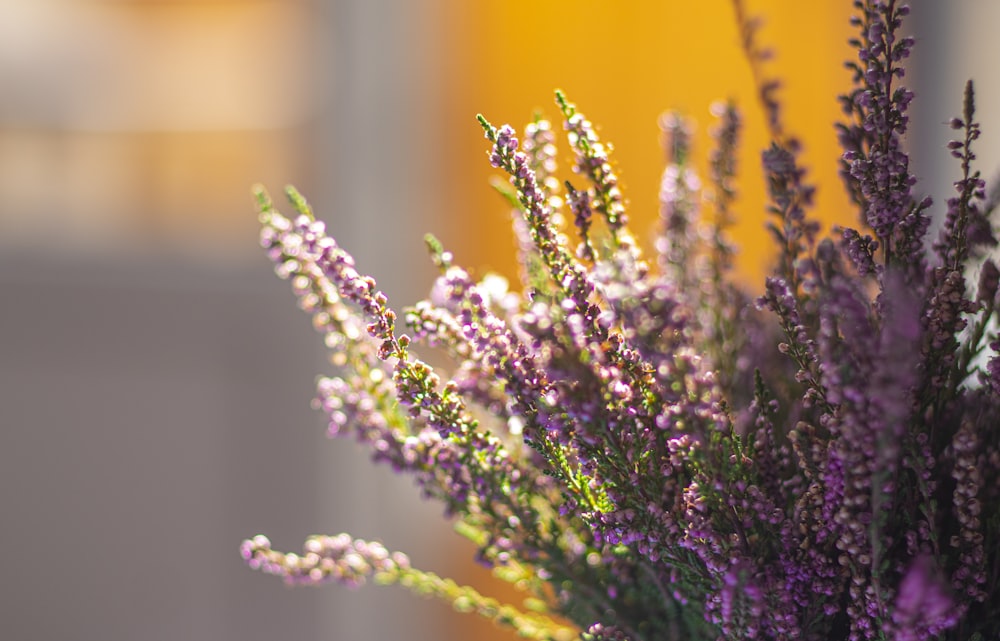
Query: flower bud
{"points": [[989, 281]]}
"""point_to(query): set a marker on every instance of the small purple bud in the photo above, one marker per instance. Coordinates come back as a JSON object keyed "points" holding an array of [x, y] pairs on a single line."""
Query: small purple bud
{"points": [[989, 282]]}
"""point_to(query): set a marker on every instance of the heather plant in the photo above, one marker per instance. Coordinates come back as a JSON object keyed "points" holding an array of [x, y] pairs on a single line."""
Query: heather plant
{"points": [[647, 453]]}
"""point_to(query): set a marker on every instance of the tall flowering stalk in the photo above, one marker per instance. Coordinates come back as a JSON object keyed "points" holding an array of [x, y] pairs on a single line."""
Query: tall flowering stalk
{"points": [[643, 452]]}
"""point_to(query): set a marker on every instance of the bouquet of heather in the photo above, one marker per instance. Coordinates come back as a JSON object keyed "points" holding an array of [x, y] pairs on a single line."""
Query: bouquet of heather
{"points": [[646, 453]]}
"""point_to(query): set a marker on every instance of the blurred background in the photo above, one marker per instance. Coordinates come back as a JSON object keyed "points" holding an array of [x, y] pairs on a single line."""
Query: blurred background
{"points": [[155, 377]]}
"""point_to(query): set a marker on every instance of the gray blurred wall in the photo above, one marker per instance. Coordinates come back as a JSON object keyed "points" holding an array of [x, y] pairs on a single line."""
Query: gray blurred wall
{"points": [[155, 376]]}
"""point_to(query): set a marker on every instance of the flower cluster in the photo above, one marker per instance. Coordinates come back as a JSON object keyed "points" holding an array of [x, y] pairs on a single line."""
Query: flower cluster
{"points": [[647, 453]]}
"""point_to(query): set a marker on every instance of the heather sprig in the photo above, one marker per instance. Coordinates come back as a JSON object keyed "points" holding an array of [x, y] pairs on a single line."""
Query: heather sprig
{"points": [[790, 199], [646, 455], [723, 171], [353, 562], [568, 275], [757, 57], [593, 161], [879, 167], [680, 191]]}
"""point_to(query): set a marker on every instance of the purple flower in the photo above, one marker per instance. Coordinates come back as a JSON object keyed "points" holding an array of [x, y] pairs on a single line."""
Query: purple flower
{"points": [[922, 609], [644, 455], [878, 166], [326, 559]]}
